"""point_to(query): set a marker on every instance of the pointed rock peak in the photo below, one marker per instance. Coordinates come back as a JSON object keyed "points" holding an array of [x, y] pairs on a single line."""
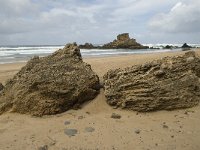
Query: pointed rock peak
{"points": [[70, 50]]}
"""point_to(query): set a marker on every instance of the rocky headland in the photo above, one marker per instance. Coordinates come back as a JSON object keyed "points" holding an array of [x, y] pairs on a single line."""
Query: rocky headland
{"points": [[50, 85]]}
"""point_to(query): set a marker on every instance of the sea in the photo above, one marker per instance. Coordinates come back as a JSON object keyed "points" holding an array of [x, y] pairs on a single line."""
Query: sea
{"points": [[22, 53]]}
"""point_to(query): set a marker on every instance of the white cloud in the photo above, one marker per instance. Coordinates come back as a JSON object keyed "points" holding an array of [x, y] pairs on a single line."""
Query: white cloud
{"points": [[97, 21], [182, 18]]}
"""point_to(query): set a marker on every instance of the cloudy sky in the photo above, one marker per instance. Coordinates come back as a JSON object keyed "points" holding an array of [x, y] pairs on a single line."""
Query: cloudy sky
{"points": [[98, 21]]}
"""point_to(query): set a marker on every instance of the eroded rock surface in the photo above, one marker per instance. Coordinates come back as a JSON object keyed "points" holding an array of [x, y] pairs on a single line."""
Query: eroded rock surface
{"points": [[165, 84], [51, 84]]}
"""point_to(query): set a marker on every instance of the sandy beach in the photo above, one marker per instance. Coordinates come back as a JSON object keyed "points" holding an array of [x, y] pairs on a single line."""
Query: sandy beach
{"points": [[162, 130]]}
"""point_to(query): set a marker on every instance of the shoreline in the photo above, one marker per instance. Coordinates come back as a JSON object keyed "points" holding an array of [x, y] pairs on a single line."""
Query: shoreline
{"points": [[99, 64], [25, 55]]}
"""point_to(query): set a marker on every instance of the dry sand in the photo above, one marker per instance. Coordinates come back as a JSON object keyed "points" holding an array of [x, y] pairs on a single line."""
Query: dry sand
{"points": [[162, 130]]}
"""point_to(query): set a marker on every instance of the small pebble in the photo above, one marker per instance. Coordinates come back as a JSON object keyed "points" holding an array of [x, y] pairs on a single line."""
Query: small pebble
{"points": [[137, 131], [45, 147], [71, 132], [89, 129], [115, 116], [67, 122], [80, 117], [165, 126]]}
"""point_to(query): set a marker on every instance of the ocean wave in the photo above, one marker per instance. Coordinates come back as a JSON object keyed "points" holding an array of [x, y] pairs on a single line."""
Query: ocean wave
{"points": [[29, 48]]}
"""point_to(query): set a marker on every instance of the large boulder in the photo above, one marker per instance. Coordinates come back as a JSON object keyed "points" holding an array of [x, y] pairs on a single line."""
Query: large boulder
{"points": [[165, 84], [123, 41], [51, 85]]}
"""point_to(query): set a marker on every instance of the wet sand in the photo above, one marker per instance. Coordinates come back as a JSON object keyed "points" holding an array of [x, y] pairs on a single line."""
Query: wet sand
{"points": [[162, 130]]}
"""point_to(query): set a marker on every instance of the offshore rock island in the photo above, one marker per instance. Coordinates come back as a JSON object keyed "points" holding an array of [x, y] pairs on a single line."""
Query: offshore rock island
{"points": [[123, 41]]}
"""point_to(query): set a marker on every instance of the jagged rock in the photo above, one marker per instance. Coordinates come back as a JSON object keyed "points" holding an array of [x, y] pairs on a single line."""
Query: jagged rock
{"points": [[87, 46], [185, 46], [123, 37], [123, 41], [165, 84], [51, 84], [1, 87], [168, 47]]}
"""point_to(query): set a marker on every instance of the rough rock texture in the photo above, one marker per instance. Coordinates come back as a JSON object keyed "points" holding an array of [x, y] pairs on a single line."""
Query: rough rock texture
{"points": [[1, 87], [87, 46], [51, 84], [165, 84], [123, 41]]}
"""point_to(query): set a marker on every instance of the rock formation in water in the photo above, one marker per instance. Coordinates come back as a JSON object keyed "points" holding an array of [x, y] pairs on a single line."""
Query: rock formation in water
{"points": [[125, 42], [87, 46], [185, 45], [168, 47], [51, 85], [165, 84]]}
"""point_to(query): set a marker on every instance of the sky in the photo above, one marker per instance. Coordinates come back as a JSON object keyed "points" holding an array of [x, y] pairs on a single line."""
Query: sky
{"points": [[55, 22]]}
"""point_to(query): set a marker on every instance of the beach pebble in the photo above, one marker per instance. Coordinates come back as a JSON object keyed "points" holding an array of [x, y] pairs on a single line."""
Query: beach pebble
{"points": [[67, 122], [89, 129], [137, 131], [71, 132], [115, 116], [80, 117], [165, 126], [45, 147]]}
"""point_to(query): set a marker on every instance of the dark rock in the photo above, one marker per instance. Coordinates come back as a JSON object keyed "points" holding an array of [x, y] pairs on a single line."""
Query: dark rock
{"points": [[168, 47], [137, 131], [123, 41], [115, 116], [165, 84], [45, 147], [87, 112], [67, 122], [51, 85], [1, 87], [89, 129], [71, 132], [80, 117], [186, 46], [165, 126], [87, 46]]}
